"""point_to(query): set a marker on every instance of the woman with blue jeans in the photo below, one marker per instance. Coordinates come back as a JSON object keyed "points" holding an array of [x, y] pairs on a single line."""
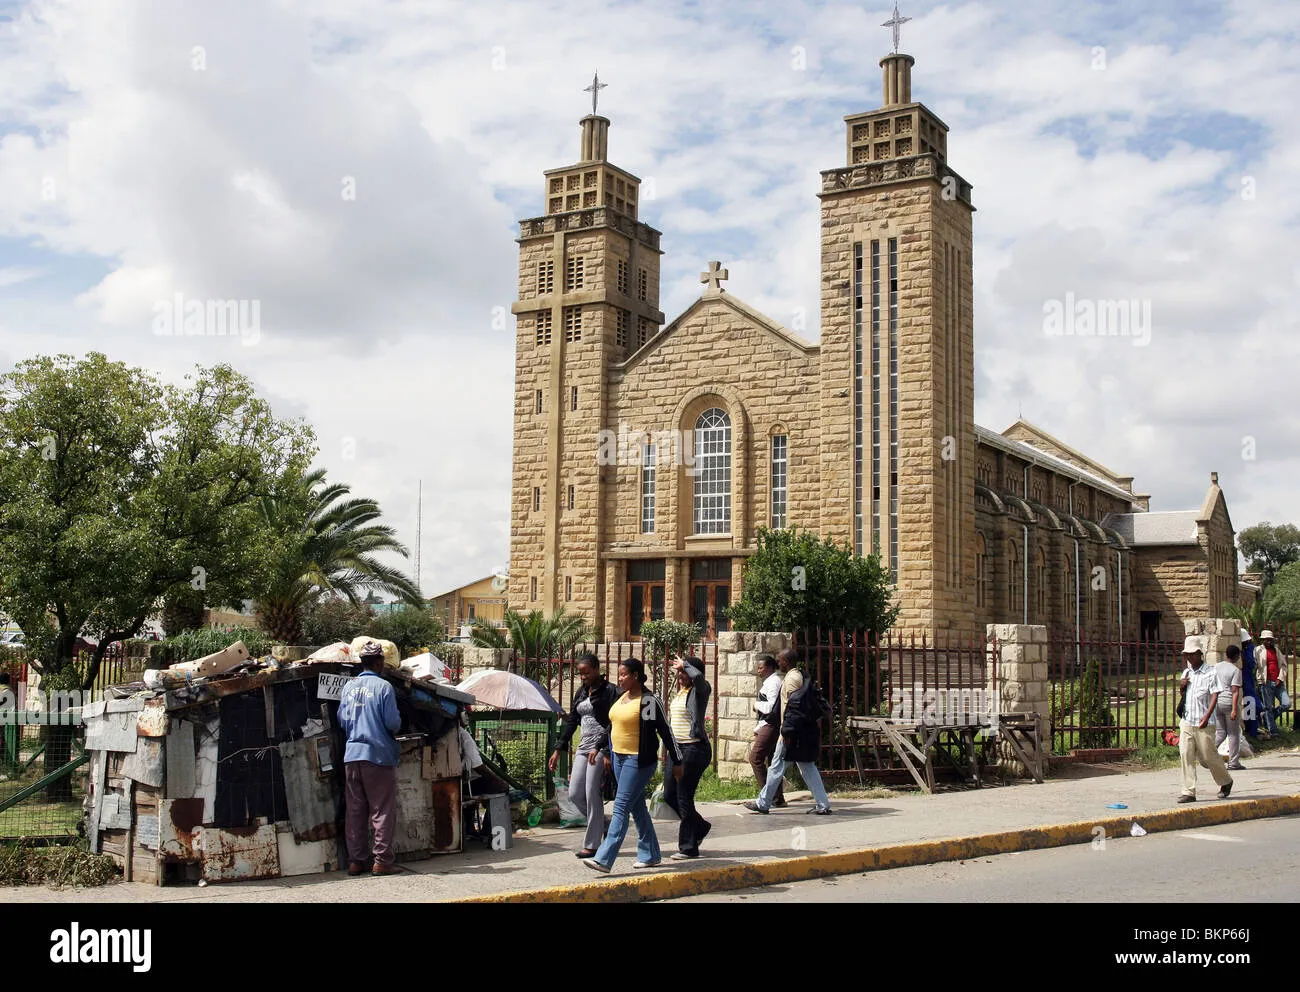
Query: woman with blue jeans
{"points": [[637, 725]]}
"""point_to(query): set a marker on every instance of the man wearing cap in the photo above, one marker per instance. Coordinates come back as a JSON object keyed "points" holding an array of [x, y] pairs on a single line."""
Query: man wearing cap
{"points": [[1271, 664], [1200, 683], [368, 715]]}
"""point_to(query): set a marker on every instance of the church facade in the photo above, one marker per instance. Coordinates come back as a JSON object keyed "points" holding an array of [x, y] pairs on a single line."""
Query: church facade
{"points": [[648, 454]]}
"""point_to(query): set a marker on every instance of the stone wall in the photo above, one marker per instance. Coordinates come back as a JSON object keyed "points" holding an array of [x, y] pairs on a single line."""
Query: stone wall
{"points": [[1216, 634], [1022, 682], [737, 691]]}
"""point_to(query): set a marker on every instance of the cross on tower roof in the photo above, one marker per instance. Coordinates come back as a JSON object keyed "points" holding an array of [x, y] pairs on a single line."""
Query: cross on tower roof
{"points": [[895, 22], [714, 278], [594, 89]]}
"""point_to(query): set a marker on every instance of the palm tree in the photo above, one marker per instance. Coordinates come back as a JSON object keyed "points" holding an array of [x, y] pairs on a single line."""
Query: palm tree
{"points": [[533, 637], [325, 543], [1255, 617]]}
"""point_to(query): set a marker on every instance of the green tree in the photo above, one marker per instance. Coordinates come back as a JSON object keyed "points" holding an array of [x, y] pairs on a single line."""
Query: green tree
{"points": [[534, 637], [1267, 548], [1282, 600], [183, 610], [796, 582], [326, 543], [117, 490], [409, 627], [334, 618]]}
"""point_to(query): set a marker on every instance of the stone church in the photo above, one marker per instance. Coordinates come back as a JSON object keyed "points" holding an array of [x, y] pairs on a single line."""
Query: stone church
{"points": [[648, 454]]}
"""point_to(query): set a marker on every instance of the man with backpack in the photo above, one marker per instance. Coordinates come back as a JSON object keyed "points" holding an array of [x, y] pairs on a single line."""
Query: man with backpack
{"points": [[802, 710]]}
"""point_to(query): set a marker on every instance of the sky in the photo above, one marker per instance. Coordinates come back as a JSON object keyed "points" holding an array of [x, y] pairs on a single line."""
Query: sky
{"points": [[357, 168]]}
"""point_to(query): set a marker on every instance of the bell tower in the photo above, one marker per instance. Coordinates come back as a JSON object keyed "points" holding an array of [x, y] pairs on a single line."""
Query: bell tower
{"points": [[588, 298], [897, 353]]}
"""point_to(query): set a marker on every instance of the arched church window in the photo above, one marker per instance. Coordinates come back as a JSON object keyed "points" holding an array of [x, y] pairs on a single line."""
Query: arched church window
{"points": [[713, 472], [1013, 577], [981, 572]]}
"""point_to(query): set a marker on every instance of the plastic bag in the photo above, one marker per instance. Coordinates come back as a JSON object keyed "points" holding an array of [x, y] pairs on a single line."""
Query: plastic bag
{"points": [[570, 815], [660, 810]]}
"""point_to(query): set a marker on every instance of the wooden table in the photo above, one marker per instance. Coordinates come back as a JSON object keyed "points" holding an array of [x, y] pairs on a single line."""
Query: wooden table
{"points": [[961, 743]]}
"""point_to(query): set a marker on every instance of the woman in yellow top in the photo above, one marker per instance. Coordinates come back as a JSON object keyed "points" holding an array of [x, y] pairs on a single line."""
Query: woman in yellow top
{"points": [[637, 725]]}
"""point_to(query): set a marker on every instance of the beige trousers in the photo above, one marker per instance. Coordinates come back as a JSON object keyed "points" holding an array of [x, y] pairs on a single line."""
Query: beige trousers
{"points": [[1196, 745]]}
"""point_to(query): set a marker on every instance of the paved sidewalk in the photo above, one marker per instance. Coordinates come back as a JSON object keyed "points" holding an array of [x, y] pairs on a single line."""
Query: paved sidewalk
{"points": [[746, 849]]}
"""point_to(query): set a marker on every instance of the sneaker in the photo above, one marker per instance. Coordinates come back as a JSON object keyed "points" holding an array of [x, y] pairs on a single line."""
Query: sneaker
{"points": [[683, 856], [1236, 766], [820, 811], [1225, 791], [753, 807], [1186, 798], [585, 854], [595, 865], [780, 804], [648, 864]]}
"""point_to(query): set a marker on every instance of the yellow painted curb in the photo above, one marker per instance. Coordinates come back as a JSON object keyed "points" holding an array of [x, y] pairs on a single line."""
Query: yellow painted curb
{"points": [[676, 884]]}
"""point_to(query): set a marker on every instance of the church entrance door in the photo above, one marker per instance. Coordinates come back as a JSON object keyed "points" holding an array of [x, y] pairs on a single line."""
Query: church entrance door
{"points": [[645, 594], [710, 594]]}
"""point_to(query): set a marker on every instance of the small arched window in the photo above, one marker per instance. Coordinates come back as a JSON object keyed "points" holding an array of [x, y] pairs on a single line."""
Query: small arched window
{"points": [[981, 572], [713, 472]]}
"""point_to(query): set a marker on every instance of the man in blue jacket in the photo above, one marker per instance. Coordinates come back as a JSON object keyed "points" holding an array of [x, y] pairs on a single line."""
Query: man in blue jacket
{"points": [[368, 715]]}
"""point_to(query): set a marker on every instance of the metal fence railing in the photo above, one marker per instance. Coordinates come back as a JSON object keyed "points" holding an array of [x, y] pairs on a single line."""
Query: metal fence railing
{"points": [[43, 776]]}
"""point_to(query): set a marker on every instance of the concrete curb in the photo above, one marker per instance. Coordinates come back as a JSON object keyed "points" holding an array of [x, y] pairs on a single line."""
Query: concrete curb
{"points": [[676, 884]]}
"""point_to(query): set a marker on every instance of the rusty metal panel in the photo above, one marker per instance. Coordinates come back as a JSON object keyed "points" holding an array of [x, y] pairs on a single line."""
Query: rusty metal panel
{"points": [[112, 732], [152, 720], [313, 808], [146, 764], [414, 806], [240, 852], [446, 816], [180, 761], [179, 829]]}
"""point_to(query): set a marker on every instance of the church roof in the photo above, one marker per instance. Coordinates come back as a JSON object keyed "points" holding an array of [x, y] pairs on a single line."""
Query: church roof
{"points": [[1029, 452], [1152, 529], [787, 337]]}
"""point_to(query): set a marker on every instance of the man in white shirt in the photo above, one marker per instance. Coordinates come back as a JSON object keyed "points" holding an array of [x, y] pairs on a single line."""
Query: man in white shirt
{"points": [[1196, 732], [768, 731]]}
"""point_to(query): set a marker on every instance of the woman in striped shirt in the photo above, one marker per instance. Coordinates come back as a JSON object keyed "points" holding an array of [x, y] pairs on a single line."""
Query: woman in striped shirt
{"points": [[686, 717]]}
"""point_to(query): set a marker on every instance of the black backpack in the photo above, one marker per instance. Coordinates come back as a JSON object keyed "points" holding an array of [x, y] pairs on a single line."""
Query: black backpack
{"points": [[807, 705]]}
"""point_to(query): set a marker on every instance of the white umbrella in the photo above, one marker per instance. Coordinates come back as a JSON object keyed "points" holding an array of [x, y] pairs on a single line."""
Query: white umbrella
{"points": [[500, 690]]}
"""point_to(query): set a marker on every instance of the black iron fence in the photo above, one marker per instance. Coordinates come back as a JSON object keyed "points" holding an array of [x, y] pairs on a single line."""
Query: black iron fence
{"points": [[898, 675], [1123, 694]]}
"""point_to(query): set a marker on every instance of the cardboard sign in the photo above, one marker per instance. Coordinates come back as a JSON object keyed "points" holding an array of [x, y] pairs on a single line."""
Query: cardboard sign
{"points": [[331, 686]]}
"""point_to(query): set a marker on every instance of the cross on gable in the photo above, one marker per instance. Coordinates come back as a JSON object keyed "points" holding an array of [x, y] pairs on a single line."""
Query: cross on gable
{"points": [[714, 278], [896, 22]]}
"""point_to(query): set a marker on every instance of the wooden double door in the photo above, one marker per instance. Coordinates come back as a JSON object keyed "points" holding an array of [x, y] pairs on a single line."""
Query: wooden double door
{"points": [[708, 596]]}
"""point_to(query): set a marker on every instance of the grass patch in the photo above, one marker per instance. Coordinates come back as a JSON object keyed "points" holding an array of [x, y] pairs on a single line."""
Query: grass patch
{"points": [[1156, 757], [70, 864]]}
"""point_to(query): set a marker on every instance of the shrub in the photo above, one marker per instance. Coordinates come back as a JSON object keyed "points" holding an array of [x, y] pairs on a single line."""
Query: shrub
{"points": [[666, 638], [336, 619], [796, 581], [208, 640], [452, 654], [1095, 716], [411, 628]]}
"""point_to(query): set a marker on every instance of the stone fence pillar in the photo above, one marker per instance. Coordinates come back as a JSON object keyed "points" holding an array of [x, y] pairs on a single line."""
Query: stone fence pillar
{"points": [[476, 659], [737, 691], [1020, 664], [1216, 633]]}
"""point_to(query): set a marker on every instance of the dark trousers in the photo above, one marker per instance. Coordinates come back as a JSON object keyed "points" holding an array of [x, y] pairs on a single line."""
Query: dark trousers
{"points": [[681, 796], [760, 755], [371, 796]]}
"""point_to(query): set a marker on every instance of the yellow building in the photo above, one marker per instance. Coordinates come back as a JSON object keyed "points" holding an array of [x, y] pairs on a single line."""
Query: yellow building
{"points": [[479, 600]]}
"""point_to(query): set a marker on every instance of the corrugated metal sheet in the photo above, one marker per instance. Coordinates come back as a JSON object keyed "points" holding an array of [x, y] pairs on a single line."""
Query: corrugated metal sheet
{"points": [[180, 760], [240, 852], [312, 808]]}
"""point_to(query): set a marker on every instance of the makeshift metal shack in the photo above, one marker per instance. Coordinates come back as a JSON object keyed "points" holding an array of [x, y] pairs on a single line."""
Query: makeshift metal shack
{"points": [[220, 772]]}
